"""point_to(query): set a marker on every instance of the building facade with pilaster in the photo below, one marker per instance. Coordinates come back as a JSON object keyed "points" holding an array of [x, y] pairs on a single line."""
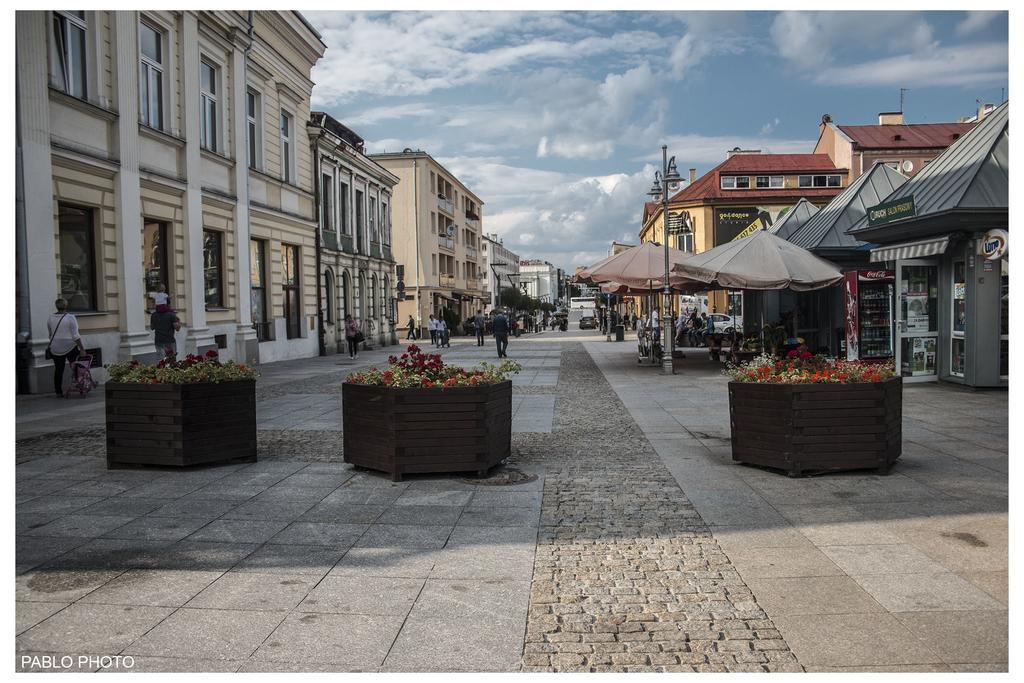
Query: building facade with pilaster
{"points": [[164, 147], [357, 269], [437, 226]]}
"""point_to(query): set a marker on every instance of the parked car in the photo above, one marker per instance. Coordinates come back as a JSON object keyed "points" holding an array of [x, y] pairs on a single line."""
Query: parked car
{"points": [[588, 322], [725, 323]]}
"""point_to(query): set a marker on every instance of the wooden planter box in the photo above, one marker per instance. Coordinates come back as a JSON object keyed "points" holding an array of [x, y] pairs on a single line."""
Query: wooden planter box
{"points": [[180, 424], [803, 428], [400, 431]]}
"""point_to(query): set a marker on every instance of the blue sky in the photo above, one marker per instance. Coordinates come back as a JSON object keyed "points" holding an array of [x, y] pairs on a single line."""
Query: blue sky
{"points": [[556, 120]]}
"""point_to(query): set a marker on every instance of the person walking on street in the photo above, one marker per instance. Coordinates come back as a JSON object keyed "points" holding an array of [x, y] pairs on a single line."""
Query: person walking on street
{"points": [[352, 335], [432, 328], [499, 328], [442, 334], [164, 324], [65, 342], [478, 321], [412, 329]]}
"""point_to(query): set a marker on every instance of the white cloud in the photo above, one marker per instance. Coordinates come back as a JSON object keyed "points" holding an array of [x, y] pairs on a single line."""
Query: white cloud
{"points": [[556, 216], [961, 65], [809, 39], [390, 112], [769, 127], [711, 150], [819, 44], [431, 145], [976, 21]]}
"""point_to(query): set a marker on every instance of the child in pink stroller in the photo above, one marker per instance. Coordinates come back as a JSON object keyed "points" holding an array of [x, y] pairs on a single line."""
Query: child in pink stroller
{"points": [[81, 376]]}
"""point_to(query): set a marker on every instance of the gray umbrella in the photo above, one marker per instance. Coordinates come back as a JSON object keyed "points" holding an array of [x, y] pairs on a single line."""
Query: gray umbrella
{"points": [[760, 261]]}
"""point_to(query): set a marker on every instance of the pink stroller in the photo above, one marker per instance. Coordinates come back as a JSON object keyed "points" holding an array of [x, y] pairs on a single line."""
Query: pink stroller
{"points": [[81, 376]]}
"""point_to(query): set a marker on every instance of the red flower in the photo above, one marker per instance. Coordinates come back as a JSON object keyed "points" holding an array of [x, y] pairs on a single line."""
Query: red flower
{"points": [[805, 355], [793, 354], [211, 353]]}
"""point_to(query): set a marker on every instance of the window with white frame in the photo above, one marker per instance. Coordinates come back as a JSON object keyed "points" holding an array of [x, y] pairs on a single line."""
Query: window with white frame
{"points": [[67, 53], [208, 89], [253, 130], [765, 181], [287, 151], [151, 76], [385, 222]]}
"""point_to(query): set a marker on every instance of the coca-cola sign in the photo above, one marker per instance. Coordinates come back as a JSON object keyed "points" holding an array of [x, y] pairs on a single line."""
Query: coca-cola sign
{"points": [[875, 275]]}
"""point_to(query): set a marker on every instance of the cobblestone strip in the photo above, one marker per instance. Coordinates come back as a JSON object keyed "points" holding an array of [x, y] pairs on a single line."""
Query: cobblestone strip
{"points": [[627, 576]]}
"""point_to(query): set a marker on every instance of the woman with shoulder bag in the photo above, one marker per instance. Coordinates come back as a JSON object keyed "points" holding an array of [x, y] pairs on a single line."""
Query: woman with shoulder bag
{"points": [[65, 343], [353, 335]]}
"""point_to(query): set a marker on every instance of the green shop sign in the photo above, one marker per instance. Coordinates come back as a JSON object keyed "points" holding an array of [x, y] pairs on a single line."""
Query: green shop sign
{"points": [[888, 212]]}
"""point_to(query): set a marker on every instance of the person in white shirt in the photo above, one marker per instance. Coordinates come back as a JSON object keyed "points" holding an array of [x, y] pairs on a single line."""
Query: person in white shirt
{"points": [[65, 342], [432, 328]]}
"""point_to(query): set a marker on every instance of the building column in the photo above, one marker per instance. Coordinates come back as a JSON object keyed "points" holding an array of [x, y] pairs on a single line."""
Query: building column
{"points": [[136, 341], [198, 339], [246, 345], [33, 121]]}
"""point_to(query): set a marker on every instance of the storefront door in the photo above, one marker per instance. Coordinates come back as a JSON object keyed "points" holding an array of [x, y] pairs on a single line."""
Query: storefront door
{"points": [[917, 324]]}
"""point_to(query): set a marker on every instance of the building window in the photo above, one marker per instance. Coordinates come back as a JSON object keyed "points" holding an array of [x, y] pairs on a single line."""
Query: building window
{"points": [[290, 287], [742, 182], [258, 289], [213, 264], [820, 181], [252, 128], [433, 223], [328, 296], [325, 203], [373, 296], [286, 147], [685, 242], [360, 236], [728, 182], [208, 106], [765, 181], [433, 264], [151, 76], [154, 257], [77, 258], [346, 293], [374, 237], [67, 53], [346, 228], [385, 222]]}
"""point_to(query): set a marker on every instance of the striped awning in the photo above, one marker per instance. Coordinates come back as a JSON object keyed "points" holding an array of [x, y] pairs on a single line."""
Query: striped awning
{"points": [[917, 249]]}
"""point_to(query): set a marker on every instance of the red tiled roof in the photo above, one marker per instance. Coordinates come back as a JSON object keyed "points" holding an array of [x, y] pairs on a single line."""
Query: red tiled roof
{"points": [[914, 135], [784, 163], [708, 186]]}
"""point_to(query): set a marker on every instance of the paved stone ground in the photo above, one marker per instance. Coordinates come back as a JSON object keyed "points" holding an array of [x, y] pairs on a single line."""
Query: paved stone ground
{"points": [[654, 550], [628, 577], [859, 572]]}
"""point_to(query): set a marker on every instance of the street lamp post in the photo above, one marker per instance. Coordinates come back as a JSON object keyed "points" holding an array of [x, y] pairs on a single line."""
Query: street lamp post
{"points": [[670, 176]]}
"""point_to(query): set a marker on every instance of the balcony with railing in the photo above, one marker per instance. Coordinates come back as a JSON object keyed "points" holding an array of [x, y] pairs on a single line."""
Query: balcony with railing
{"points": [[446, 280], [472, 220], [471, 252], [445, 204], [446, 242]]}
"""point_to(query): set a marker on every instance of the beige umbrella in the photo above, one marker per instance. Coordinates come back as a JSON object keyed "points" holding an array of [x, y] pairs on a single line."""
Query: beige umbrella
{"points": [[760, 261], [639, 267]]}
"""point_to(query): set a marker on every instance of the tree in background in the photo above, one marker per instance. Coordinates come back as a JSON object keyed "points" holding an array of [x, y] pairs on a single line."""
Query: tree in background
{"points": [[511, 298]]}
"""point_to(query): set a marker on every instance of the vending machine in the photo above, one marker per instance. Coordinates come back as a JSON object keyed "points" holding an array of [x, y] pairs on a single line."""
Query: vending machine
{"points": [[869, 314]]}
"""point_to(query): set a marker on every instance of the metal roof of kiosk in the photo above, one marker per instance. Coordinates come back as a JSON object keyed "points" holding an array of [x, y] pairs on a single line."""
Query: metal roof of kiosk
{"points": [[966, 188], [794, 218], [827, 228]]}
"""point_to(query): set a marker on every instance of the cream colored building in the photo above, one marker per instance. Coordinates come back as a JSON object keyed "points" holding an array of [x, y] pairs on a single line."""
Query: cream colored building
{"points": [[501, 267], [165, 147], [437, 223], [356, 263]]}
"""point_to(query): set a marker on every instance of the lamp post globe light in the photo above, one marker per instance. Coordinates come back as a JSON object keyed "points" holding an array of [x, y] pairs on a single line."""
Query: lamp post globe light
{"points": [[671, 179]]}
